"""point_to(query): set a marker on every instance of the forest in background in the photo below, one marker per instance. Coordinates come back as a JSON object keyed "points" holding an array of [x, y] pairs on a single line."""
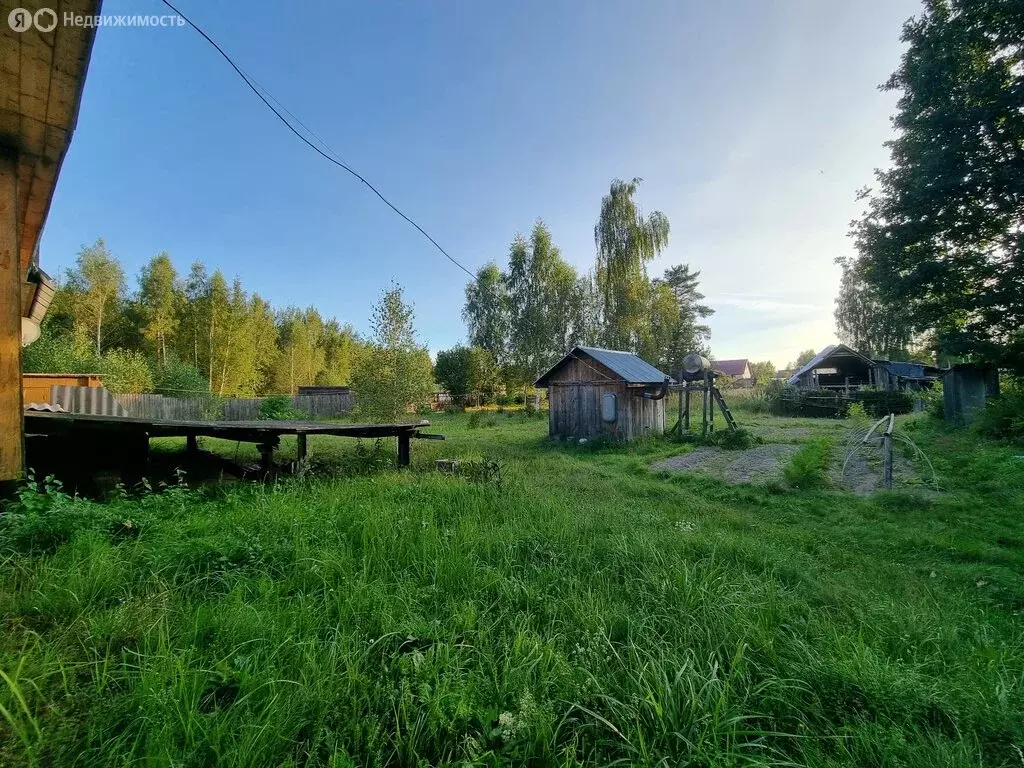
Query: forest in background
{"points": [[188, 332]]}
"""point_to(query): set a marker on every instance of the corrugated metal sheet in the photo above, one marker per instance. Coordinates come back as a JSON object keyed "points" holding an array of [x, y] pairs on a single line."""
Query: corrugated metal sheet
{"points": [[911, 370], [95, 400], [631, 368]]}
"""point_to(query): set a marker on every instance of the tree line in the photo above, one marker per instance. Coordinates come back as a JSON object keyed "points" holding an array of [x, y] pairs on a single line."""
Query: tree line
{"points": [[186, 333], [196, 332], [939, 264], [521, 318]]}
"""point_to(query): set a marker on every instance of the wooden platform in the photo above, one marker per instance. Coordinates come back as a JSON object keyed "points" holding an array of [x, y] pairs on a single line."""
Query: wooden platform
{"points": [[132, 434]]}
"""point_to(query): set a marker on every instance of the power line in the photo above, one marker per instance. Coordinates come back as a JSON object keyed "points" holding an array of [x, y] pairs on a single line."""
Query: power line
{"points": [[326, 152], [329, 155]]}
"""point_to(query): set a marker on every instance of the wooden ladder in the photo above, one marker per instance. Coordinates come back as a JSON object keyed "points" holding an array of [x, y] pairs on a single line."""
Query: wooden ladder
{"points": [[717, 395]]}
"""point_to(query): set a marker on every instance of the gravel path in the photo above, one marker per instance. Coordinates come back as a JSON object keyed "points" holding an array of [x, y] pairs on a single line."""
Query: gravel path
{"points": [[756, 465]]}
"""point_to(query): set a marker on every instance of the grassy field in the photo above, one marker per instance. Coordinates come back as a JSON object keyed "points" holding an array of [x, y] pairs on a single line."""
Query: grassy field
{"points": [[581, 611]]}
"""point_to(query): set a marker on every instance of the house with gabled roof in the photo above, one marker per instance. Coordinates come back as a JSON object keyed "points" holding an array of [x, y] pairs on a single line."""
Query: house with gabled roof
{"points": [[739, 371]]}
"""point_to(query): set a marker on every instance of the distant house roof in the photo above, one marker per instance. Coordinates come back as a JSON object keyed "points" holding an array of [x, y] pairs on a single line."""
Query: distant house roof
{"points": [[730, 367], [832, 350], [632, 369]]}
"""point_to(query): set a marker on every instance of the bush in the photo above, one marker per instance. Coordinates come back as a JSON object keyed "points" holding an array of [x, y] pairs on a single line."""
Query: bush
{"points": [[125, 371], [880, 402], [279, 408], [809, 466], [786, 400], [934, 402], [732, 439], [747, 400], [179, 379], [479, 419], [59, 351], [1002, 418]]}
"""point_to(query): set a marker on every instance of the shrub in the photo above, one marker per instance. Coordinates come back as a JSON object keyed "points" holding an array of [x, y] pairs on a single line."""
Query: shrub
{"points": [[732, 439], [482, 419], [786, 400], [879, 402], [809, 466], [934, 402], [125, 371], [59, 350], [279, 408], [856, 413], [1002, 418], [179, 379]]}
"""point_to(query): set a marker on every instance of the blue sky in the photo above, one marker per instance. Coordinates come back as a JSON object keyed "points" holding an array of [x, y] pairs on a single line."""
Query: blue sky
{"points": [[752, 123]]}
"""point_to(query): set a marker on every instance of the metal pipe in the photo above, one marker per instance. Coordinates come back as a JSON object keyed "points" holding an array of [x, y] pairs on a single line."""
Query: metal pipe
{"points": [[661, 395]]}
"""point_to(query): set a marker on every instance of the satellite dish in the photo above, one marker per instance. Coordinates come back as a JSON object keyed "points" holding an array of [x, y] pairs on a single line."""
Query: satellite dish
{"points": [[29, 331]]}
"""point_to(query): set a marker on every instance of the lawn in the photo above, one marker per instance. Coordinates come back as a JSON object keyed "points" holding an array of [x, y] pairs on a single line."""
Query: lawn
{"points": [[583, 610]]}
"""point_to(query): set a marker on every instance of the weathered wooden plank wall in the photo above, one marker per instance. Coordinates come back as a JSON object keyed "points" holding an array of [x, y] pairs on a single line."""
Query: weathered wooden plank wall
{"points": [[152, 406], [574, 411]]}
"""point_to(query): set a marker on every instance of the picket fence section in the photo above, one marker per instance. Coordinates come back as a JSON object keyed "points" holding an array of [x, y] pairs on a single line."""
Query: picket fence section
{"points": [[210, 408]]}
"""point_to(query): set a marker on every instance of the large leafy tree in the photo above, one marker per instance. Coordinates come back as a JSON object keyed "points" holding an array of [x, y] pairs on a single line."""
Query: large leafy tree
{"points": [[866, 321], [944, 232], [626, 241], [463, 370], [97, 284], [546, 304], [487, 311], [159, 300], [193, 306], [302, 354], [394, 373], [763, 372], [341, 352]]}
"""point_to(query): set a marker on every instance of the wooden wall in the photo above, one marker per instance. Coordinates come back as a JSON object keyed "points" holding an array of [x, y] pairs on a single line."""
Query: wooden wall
{"points": [[36, 386], [574, 405]]}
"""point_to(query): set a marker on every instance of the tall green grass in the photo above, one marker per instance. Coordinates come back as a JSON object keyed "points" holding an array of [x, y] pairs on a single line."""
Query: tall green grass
{"points": [[583, 612]]}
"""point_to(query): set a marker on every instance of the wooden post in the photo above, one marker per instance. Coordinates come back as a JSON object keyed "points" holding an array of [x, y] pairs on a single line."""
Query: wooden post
{"points": [[135, 457], [711, 403], [300, 446], [704, 406], [191, 445], [887, 461], [266, 450], [403, 449], [686, 409], [12, 425]]}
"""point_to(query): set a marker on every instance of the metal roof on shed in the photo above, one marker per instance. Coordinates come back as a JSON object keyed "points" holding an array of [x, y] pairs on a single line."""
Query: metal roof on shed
{"points": [[632, 369]]}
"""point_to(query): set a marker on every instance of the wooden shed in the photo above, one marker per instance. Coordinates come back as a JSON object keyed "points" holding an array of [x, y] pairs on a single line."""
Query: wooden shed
{"points": [[604, 393], [35, 387]]}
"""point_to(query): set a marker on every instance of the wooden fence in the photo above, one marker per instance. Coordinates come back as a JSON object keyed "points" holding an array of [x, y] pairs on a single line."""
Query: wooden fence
{"points": [[213, 408]]}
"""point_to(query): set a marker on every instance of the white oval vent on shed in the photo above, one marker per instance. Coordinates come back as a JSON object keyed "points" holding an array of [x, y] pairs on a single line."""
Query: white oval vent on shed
{"points": [[608, 407]]}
